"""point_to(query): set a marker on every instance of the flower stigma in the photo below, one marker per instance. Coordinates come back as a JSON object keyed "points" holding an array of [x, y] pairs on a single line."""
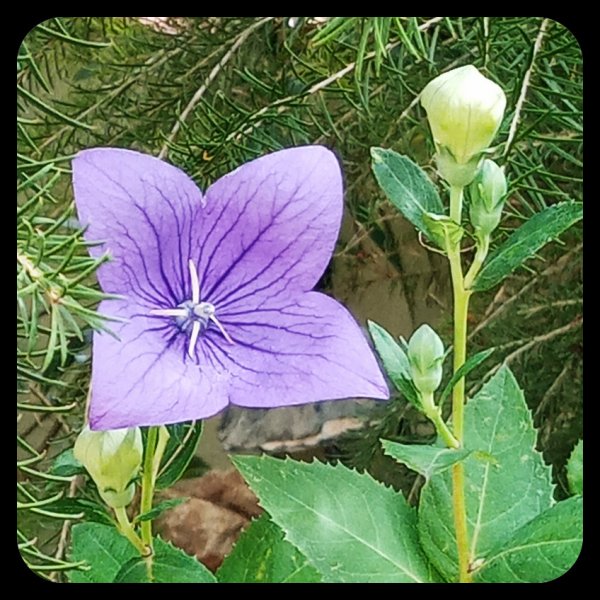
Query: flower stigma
{"points": [[193, 313]]}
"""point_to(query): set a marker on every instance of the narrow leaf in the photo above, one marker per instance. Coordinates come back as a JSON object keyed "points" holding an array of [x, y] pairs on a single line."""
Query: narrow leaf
{"points": [[526, 241], [407, 187], [473, 362], [71, 39], [425, 460], [350, 527], [542, 550], [179, 451], [395, 362], [262, 555], [45, 107], [160, 508]]}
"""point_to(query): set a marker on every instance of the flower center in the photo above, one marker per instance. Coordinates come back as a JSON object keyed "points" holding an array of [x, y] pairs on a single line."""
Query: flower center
{"points": [[188, 313], [192, 315]]}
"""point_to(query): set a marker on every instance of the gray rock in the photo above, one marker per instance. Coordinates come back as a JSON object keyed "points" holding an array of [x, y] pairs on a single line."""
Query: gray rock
{"points": [[294, 427]]}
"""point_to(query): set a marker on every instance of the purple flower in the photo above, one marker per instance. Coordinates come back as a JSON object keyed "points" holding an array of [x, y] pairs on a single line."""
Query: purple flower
{"points": [[217, 304]]}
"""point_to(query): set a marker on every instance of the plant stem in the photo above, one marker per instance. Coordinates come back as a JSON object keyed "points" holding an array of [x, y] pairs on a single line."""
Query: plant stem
{"points": [[460, 522], [432, 412], [128, 531], [456, 200], [461, 305], [148, 477], [483, 247], [443, 430]]}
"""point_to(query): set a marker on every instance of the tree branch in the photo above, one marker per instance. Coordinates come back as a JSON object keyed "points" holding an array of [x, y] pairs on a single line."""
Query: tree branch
{"points": [[211, 77], [524, 86]]}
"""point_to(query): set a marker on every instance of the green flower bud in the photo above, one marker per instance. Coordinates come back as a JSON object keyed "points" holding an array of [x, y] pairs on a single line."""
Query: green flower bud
{"points": [[488, 193], [112, 458], [465, 110], [425, 357]]}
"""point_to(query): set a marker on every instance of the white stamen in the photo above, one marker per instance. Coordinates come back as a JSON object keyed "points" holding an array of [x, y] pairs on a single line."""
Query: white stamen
{"points": [[204, 311], [221, 329], [195, 282], [193, 338], [169, 312]]}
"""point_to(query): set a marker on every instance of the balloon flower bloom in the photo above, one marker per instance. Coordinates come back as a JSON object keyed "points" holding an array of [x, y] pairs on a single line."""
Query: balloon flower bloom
{"points": [[215, 303]]}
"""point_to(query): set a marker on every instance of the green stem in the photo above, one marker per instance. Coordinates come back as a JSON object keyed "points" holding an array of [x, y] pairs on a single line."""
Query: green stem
{"points": [[161, 444], [443, 430], [128, 531], [483, 247], [148, 480], [460, 521], [461, 306], [433, 413], [456, 201]]}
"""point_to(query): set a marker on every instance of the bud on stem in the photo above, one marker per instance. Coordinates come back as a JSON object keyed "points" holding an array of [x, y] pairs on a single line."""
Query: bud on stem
{"points": [[464, 110], [112, 458], [487, 193], [425, 357]]}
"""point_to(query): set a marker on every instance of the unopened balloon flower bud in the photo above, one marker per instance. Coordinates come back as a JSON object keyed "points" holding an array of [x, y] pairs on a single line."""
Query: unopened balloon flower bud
{"points": [[112, 458], [487, 193], [425, 356], [464, 110]]}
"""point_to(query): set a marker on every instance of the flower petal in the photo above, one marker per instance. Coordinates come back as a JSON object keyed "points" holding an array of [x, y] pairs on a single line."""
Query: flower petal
{"points": [[143, 210], [145, 377], [269, 228], [305, 350]]}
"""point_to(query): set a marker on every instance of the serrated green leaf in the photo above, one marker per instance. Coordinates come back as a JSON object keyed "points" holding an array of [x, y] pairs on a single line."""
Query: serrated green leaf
{"points": [[65, 465], [575, 469], [470, 364], [503, 492], [103, 548], [170, 565], [395, 362], [407, 187], [425, 460], [526, 241], [179, 451], [262, 555], [542, 550], [350, 527], [160, 508]]}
